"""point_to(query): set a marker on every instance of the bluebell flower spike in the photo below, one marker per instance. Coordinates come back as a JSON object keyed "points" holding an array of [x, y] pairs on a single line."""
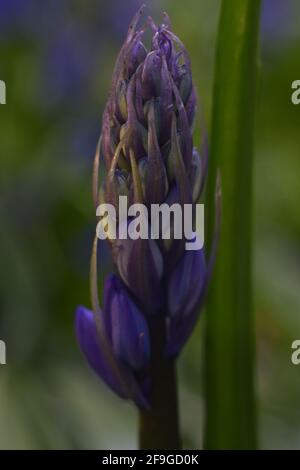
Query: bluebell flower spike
{"points": [[147, 148]]}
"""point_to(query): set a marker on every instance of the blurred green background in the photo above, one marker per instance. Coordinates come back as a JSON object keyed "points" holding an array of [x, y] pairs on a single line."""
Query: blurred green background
{"points": [[56, 58]]}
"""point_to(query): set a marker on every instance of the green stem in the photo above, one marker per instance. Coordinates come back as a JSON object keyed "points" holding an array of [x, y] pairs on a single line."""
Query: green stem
{"points": [[229, 362], [159, 427]]}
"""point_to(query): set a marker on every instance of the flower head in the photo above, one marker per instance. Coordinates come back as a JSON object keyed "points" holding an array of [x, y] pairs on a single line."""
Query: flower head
{"points": [[148, 119], [147, 146]]}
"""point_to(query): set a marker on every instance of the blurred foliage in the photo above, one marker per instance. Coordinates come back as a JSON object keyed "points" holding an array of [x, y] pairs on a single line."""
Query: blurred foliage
{"points": [[56, 58]]}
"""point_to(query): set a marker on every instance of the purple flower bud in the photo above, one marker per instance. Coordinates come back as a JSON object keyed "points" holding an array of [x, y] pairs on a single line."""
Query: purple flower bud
{"points": [[137, 55], [186, 283], [151, 75], [121, 104], [127, 333], [140, 265], [157, 182], [118, 186], [126, 326], [90, 344], [185, 290]]}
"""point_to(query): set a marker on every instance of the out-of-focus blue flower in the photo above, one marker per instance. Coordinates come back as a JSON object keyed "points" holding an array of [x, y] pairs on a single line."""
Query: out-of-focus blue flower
{"points": [[11, 12], [276, 21], [117, 11], [31, 19], [66, 67]]}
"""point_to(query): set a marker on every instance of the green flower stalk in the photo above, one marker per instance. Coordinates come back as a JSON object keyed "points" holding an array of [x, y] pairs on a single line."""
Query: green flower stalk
{"points": [[229, 360]]}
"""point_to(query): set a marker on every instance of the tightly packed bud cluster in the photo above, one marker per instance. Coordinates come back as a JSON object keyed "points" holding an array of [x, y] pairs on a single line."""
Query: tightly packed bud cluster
{"points": [[147, 146]]}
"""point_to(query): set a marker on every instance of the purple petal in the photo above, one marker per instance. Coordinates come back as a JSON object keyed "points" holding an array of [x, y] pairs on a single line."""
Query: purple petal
{"points": [[186, 137], [157, 182], [180, 169], [185, 295], [173, 249], [191, 106], [86, 332], [181, 326], [140, 266], [151, 75], [129, 330], [166, 102], [136, 56], [135, 139], [186, 283]]}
